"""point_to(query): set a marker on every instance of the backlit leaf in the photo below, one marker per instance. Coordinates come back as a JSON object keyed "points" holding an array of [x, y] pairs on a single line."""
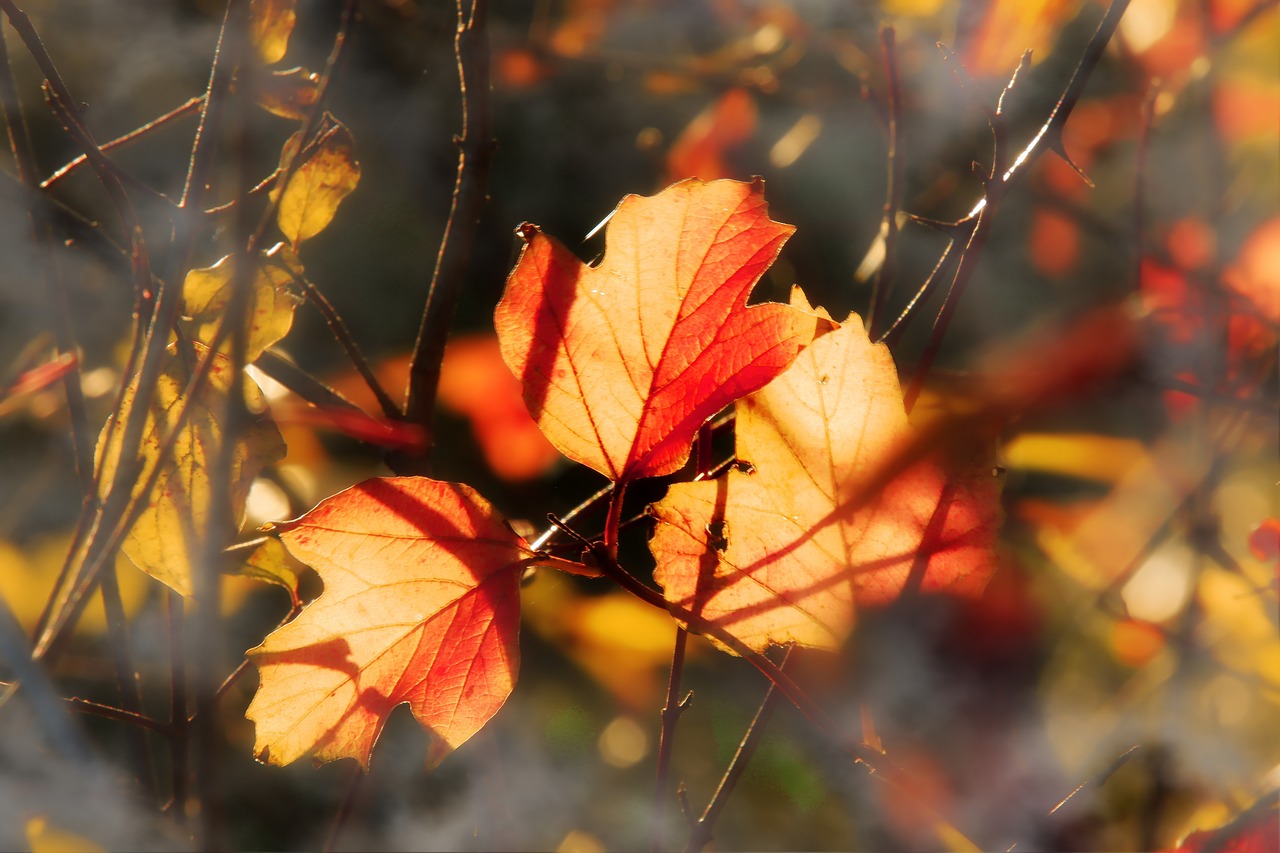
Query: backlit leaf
{"points": [[207, 291], [174, 524], [420, 606], [289, 94], [622, 362], [784, 552], [271, 563], [270, 25], [318, 185]]}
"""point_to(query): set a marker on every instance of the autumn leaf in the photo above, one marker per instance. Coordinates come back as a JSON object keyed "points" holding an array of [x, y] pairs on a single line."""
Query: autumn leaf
{"points": [[289, 94], [318, 185], [783, 552], [175, 521], [622, 362], [206, 293], [420, 605], [270, 25]]}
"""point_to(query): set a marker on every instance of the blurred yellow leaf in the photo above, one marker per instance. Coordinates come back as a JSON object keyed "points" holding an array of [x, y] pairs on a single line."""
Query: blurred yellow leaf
{"points": [[176, 520], [1238, 630], [26, 580], [289, 94], [1115, 532], [1089, 457], [207, 291], [270, 25], [318, 185], [44, 838], [270, 562], [622, 643]]}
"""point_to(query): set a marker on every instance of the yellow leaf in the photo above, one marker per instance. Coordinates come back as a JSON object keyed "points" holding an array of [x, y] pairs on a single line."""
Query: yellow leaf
{"points": [[1090, 457], [27, 575], [270, 25], [318, 185], [176, 519], [207, 291], [43, 838]]}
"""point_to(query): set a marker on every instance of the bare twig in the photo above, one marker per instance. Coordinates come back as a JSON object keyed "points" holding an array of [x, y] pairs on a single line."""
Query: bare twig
{"points": [[1002, 178], [475, 151], [343, 336], [883, 282], [185, 109], [704, 826]]}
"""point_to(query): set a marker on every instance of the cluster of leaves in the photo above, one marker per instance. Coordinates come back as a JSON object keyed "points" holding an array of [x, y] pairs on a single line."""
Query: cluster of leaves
{"points": [[838, 489]]}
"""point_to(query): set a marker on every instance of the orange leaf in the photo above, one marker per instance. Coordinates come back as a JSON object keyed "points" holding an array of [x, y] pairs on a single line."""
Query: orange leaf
{"points": [[622, 362], [782, 554], [420, 605], [475, 383], [271, 23], [703, 145]]}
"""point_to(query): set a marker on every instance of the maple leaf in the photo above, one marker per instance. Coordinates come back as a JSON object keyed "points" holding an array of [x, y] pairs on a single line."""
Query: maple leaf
{"points": [[420, 605], [175, 519], [784, 552], [622, 362]]}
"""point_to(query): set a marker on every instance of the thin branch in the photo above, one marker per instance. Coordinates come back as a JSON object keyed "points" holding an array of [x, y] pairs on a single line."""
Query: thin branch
{"points": [[191, 105], [883, 283], [704, 827], [343, 335], [1001, 179], [475, 152]]}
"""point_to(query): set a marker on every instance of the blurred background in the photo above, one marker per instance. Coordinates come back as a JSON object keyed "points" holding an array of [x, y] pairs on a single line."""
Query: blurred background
{"points": [[1135, 602]]}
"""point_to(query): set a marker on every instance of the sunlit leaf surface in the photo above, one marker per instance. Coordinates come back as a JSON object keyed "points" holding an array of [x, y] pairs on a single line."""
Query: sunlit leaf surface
{"points": [[420, 606], [622, 362], [783, 552]]}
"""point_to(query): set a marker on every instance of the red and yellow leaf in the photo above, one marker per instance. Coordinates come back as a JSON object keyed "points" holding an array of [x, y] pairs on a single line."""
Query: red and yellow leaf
{"points": [[784, 552], [420, 606], [622, 362]]}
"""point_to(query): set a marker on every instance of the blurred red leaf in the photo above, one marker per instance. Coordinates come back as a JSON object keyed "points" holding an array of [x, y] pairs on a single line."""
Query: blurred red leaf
{"points": [[1264, 542], [420, 606], [621, 363], [358, 425], [1010, 27], [475, 383], [1255, 831], [702, 149]]}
